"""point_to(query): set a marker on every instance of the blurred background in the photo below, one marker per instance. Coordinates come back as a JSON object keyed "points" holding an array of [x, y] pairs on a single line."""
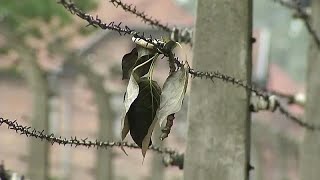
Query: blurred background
{"points": [[65, 78]]}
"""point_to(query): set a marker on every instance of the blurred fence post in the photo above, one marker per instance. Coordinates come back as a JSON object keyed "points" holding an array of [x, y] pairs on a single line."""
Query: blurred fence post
{"points": [[218, 144]]}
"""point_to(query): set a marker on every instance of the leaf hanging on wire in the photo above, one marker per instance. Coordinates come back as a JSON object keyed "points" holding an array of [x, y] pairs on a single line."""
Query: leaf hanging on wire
{"points": [[128, 62], [142, 112], [136, 57], [173, 93], [130, 96]]}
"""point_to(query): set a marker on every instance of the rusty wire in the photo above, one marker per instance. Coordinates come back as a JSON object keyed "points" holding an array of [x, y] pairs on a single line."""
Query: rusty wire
{"points": [[74, 141]]}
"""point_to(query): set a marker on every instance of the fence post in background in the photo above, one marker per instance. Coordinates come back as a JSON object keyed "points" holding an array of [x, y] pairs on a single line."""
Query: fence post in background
{"points": [[218, 144], [309, 157], [38, 164]]}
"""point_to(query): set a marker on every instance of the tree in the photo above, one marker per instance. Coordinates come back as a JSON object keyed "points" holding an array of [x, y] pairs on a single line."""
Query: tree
{"points": [[22, 20]]}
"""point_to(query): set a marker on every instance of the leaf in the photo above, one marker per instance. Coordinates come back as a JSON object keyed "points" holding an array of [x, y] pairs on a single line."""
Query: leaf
{"points": [[143, 111], [124, 131], [130, 96], [170, 45], [136, 57], [128, 62], [173, 93]]}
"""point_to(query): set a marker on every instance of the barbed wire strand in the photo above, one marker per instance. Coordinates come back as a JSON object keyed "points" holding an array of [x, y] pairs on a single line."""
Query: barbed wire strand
{"points": [[97, 22], [183, 35], [74, 141], [302, 14], [226, 78], [297, 120], [142, 15], [234, 81]]}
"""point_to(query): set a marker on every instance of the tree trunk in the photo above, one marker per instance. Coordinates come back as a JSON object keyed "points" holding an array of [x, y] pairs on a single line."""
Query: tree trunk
{"points": [[67, 101], [157, 167], [104, 169], [38, 150], [218, 144], [310, 159]]}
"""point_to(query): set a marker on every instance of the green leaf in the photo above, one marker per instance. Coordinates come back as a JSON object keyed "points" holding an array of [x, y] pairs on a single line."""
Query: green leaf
{"points": [[137, 56]]}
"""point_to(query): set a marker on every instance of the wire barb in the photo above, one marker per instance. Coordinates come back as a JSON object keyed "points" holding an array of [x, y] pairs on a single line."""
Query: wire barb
{"points": [[75, 141]]}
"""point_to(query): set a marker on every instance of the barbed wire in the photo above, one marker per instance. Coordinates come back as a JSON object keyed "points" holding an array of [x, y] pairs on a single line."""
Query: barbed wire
{"points": [[183, 35], [74, 141], [271, 102], [224, 77], [297, 120], [97, 22], [297, 98], [303, 15], [161, 48], [142, 15]]}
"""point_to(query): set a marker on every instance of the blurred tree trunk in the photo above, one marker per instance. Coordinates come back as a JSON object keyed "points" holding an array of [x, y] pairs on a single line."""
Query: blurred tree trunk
{"points": [[67, 101], [157, 167], [218, 144], [310, 159], [38, 160], [104, 169], [38, 150]]}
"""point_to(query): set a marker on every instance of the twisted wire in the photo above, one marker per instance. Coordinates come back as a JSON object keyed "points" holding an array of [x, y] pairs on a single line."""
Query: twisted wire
{"points": [[97, 22], [74, 141], [142, 15], [264, 95]]}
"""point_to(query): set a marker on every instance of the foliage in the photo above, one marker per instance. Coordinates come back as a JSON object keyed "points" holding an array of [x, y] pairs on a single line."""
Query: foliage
{"points": [[18, 14]]}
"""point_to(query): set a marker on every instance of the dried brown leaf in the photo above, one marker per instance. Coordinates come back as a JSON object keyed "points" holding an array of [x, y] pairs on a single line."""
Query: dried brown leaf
{"points": [[130, 96], [173, 93], [136, 57]]}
